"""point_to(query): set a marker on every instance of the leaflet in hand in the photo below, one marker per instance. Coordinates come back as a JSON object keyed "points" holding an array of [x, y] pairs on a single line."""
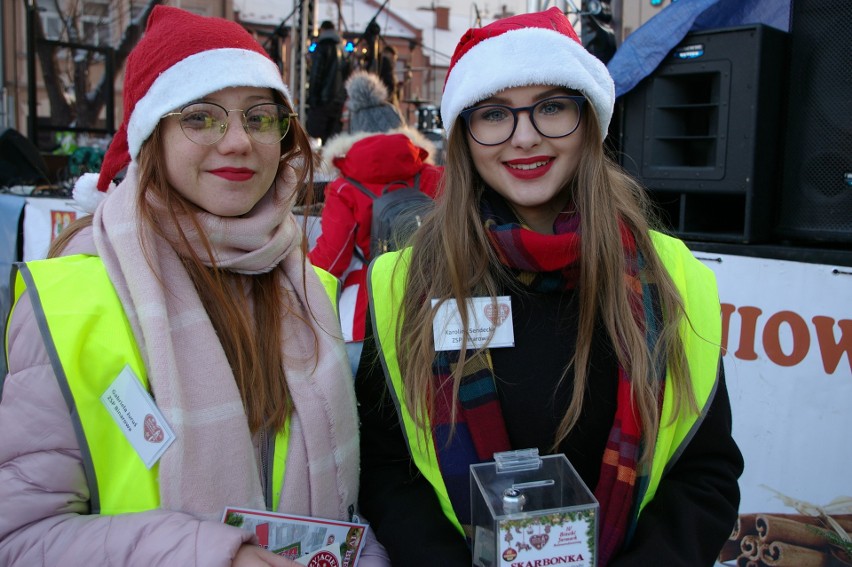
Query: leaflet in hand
{"points": [[309, 541]]}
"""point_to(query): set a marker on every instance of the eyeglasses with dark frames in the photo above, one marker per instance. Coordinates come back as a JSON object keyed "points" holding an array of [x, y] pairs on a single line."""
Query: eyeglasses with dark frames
{"points": [[205, 123], [552, 117]]}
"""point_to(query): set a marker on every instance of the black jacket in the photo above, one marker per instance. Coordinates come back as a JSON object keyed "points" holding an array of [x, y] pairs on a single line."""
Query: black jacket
{"points": [[693, 510], [326, 83]]}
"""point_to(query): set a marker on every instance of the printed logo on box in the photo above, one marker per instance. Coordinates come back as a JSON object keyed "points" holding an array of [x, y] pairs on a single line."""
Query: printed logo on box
{"points": [[550, 539]]}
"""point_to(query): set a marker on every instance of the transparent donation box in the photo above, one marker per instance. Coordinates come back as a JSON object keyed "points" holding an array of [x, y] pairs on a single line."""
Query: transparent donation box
{"points": [[531, 511]]}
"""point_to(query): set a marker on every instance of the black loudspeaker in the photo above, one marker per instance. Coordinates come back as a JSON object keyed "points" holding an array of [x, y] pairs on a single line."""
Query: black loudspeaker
{"points": [[703, 133], [816, 201], [20, 161]]}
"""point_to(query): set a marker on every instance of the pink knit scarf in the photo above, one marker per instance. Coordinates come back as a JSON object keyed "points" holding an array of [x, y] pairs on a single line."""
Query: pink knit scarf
{"points": [[212, 463]]}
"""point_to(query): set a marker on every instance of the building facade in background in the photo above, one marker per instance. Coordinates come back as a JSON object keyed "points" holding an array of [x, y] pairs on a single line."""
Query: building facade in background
{"points": [[422, 32], [72, 94]]}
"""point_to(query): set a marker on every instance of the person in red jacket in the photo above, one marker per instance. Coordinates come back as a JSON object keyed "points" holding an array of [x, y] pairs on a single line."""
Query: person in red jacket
{"points": [[343, 247]]}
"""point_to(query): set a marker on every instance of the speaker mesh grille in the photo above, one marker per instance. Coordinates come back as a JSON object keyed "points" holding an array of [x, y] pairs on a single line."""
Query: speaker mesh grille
{"points": [[817, 194]]}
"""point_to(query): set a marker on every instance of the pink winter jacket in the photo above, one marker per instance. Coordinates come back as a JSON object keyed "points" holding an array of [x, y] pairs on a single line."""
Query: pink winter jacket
{"points": [[44, 499]]}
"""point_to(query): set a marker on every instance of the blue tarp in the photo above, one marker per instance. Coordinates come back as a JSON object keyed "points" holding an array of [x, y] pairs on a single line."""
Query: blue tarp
{"points": [[645, 48]]}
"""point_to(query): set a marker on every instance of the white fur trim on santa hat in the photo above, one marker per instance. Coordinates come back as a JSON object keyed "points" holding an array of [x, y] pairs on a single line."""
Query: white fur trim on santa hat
{"points": [[523, 57], [86, 194], [193, 78]]}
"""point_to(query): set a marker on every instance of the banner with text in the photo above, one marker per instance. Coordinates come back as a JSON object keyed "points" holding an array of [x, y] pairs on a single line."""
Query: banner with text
{"points": [[787, 335]]}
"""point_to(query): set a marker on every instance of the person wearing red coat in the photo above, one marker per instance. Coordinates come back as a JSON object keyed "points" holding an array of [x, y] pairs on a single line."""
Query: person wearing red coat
{"points": [[343, 247]]}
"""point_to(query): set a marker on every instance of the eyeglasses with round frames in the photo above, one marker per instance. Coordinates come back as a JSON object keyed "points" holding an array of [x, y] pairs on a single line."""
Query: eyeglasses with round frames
{"points": [[205, 123], [553, 117]]}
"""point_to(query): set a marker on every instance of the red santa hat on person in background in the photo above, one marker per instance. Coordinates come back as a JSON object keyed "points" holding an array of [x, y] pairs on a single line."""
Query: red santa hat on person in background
{"points": [[182, 57], [540, 48]]}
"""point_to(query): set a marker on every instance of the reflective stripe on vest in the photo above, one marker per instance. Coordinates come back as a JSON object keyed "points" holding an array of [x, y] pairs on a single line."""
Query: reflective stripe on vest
{"points": [[89, 341], [386, 286], [694, 281]]}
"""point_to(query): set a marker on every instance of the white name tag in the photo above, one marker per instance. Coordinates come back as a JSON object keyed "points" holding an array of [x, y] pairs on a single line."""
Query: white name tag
{"points": [[138, 417], [484, 317]]}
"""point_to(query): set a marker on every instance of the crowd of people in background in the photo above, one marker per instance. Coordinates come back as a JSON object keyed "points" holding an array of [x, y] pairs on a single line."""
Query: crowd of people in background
{"points": [[377, 148], [330, 68]]}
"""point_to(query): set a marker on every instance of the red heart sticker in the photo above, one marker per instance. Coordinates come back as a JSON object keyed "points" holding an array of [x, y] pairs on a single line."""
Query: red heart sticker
{"points": [[153, 431], [496, 314]]}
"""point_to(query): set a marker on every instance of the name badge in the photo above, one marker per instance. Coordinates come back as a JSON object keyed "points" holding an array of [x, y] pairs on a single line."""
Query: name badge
{"points": [[489, 324], [138, 417]]}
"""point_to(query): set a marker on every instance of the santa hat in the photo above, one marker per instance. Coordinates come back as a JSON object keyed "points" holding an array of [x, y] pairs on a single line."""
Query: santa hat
{"points": [[181, 58], [541, 48]]}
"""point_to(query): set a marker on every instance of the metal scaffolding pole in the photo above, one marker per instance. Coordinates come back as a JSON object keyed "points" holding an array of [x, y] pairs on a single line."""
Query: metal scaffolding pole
{"points": [[303, 31]]}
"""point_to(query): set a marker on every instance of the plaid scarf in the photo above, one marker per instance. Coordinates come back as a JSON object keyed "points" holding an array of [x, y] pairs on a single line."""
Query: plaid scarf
{"points": [[542, 263]]}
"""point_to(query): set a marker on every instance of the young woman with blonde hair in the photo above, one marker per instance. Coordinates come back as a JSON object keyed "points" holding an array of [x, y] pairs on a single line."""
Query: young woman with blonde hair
{"points": [[613, 353]]}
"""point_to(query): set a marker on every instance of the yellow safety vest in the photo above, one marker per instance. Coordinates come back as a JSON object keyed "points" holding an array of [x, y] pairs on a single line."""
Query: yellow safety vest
{"points": [[697, 287], [89, 341]]}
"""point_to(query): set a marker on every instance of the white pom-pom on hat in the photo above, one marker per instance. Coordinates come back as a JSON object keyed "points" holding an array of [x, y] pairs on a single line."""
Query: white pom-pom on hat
{"points": [[86, 193]]}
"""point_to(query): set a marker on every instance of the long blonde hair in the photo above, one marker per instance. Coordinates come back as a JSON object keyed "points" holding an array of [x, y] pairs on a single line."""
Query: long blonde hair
{"points": [[452, 260], [249, 328]]}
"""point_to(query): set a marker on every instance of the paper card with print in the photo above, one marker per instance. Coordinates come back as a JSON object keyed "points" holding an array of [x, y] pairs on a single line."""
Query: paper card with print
{"points": [[138, 417], [489, 324], [315, 542]]}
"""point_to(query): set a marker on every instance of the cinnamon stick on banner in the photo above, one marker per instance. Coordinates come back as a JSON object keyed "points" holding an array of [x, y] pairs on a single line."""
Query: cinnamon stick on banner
{"points": [[780, 554], [743, 561], [750, 547], [772, 528], [843, 520], [744, 526]]}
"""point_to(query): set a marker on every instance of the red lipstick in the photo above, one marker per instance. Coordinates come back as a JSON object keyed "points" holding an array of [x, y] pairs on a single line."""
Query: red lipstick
{"points": [[233, 173], [529, 168]]}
